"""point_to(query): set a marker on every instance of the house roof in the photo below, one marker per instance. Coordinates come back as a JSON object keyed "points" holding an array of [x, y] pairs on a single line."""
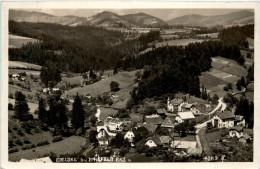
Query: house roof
{"points": [[186, 115], [150, 127], [168, 122], [165, 139], [187, 105], [153, 119], [246, 136], [184, 144], [103, 139], [100, 123], [161, 111], [176, 101], [225, 115], [238, 117], [237, 128]]}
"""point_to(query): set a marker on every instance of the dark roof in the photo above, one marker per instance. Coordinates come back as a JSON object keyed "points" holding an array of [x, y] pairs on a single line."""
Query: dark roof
{"points": [[176, 101], [154, 120], [150, 127], [102, 139], [161, 111], [225, 115], [237, 128], [168, 122], [100, 123], [156, 140], [246, 136]]}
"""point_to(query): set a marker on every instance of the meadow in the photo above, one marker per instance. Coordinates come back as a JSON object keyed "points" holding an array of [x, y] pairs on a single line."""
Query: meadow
{"points": [[18, 41]]}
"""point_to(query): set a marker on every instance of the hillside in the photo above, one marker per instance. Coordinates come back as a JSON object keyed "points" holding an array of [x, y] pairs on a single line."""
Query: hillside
{"points": [[24, 16], [142, 19], [234, 18]]}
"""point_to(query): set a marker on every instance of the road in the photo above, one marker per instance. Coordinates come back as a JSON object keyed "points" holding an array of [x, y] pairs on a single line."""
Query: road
{"points": [[200, 128]]}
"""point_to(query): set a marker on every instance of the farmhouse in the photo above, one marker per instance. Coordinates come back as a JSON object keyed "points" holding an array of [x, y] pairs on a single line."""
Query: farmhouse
{"points": [[239, 121], [182, 116], [114, 124], [236, 132], [172, 105], [163, 141], [185, 107], [245, 139], [223, 119], [103, 141], [129, 136]]}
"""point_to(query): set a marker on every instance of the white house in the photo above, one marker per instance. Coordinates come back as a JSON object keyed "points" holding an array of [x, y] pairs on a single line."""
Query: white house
{"points": [[114, 124], [223, 119], [236, 132], [152, 142], [172, 105], [185, 107], [130, 136], [101, 133], [182, 116], [103, 141]]}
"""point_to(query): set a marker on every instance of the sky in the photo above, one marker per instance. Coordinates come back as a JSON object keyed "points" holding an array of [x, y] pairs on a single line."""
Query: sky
{"points": [[164, 14]]}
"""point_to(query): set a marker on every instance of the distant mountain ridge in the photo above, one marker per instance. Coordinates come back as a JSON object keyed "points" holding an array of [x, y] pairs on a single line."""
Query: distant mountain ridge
{"points": [[109, 19], [234, 18]]}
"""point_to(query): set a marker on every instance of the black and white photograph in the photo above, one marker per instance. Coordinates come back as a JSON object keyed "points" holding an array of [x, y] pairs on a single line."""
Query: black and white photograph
{"points": [[130, 85]]}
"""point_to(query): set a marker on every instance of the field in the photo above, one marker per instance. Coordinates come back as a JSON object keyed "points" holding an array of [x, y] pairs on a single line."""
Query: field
{"points": [[18, 41], [178, 42], [126, 84], [67, 146], [223, 71], [32, 106], [22, 65], [105, 112]]}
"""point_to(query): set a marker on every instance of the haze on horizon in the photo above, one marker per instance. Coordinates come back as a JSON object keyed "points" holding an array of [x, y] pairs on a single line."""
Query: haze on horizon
{"points": [[164, 14]]}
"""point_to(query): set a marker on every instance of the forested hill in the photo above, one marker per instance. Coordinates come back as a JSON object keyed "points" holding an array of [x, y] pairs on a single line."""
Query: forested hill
{"points": [[82, 47]]}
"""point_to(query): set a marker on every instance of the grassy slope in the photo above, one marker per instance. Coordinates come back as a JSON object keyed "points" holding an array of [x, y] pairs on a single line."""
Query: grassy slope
{"points": [[67, 146]]}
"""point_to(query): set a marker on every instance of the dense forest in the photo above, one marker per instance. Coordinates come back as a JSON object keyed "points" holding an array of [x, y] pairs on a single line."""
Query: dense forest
{"points": [[75, 49]]}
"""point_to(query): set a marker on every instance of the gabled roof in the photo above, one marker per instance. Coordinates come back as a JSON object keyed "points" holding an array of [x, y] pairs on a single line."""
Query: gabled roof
{"points": [[100, 123], [225, 115], [186, 115], [161, 111], [165, 139], [153, 120], [246, 136], [103, 139], [176, 101], [187, 106], [237, 128], [168, 122], [150, 127]]}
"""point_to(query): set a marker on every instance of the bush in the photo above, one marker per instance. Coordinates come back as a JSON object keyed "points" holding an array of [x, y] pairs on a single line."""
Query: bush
{"points": [[28, 147], [57, 139], [26, 141], [13, 150], [44, 127], [11, 144], [18, 142], [10, 106], [20, 133], [42, 143]]}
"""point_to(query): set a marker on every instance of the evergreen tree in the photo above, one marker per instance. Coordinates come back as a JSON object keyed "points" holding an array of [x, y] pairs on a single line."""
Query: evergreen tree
{"points": [[77, 113], [115, 70], [42, 113], [61, 115], [215, 99], [21, 107], [243, 82], [238, 85]]}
